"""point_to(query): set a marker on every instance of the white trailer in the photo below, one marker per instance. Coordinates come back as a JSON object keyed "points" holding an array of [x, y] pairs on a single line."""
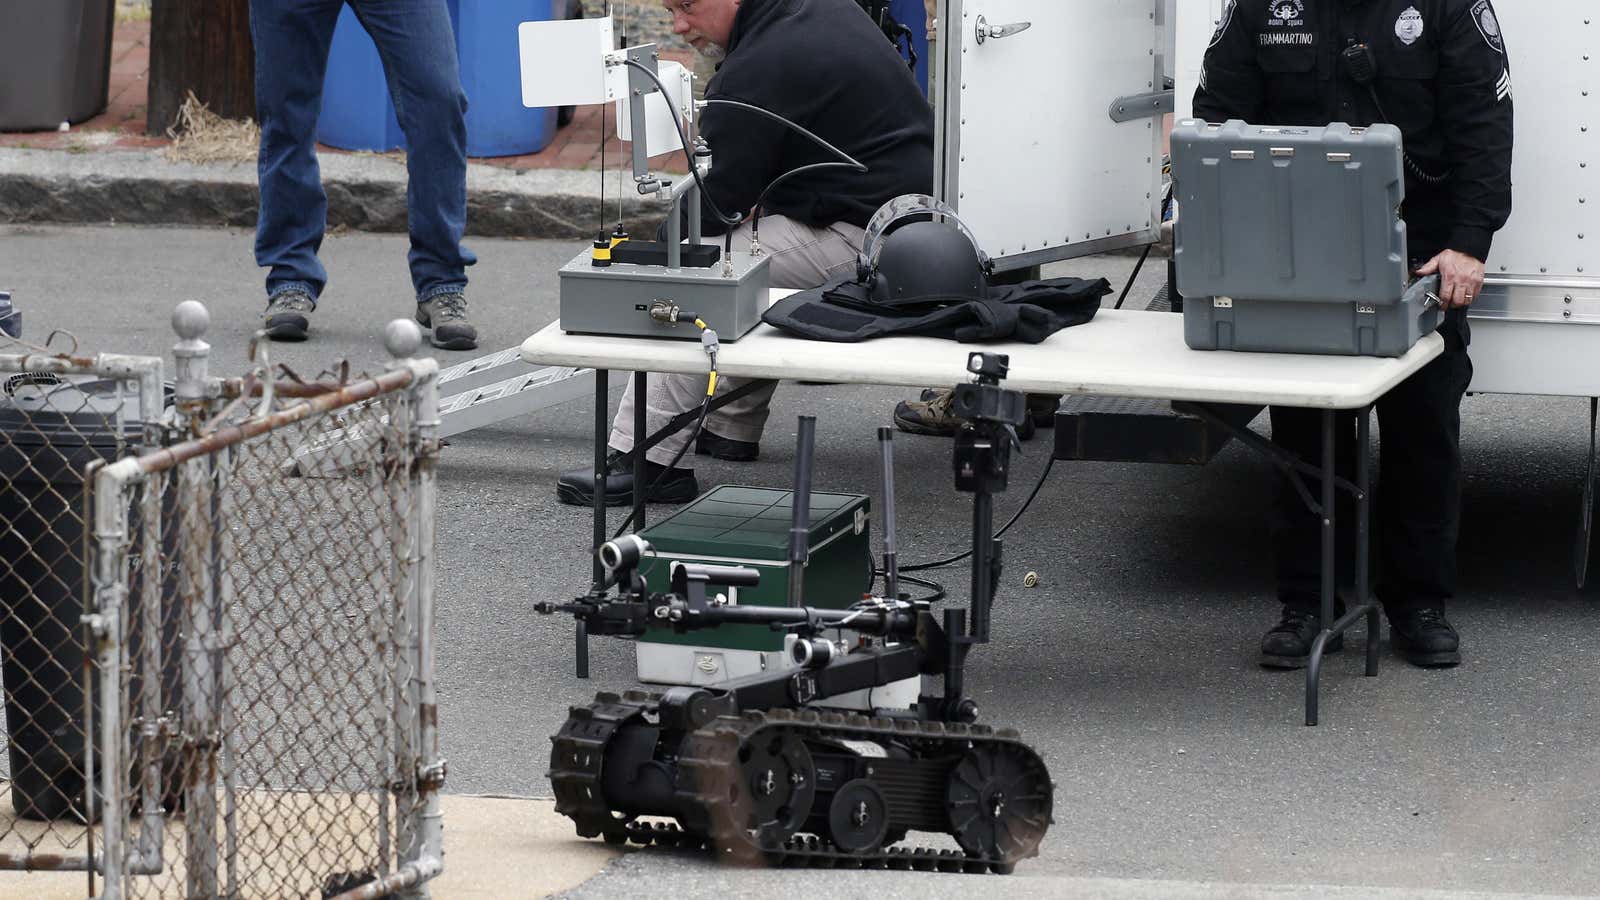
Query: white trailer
{"points": [[1046, 151]]}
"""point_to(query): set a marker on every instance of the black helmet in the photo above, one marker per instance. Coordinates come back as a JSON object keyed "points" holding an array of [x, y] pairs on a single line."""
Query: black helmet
{"points": [[933, 258]]}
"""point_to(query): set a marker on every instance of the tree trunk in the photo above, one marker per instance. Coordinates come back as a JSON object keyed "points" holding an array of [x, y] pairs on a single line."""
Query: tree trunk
{"points": [[202, 46]]}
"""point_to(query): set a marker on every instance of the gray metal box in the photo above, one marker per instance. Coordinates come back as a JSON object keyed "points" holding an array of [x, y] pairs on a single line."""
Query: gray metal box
{"points": [[1289, 239], [1340, 328], [616, 299]]}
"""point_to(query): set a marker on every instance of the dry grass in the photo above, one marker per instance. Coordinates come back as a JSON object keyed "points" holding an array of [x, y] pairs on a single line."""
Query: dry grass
{"points": [[133, 10], [202, 136]]}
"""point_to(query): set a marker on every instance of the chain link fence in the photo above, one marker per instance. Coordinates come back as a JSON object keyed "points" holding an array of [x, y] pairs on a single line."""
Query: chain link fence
{"points": [[60, 416], [260, 597]]}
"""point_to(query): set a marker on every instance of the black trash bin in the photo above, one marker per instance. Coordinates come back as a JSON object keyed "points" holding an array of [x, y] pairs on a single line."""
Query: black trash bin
{"points": [[50, 431], [55, 61]]}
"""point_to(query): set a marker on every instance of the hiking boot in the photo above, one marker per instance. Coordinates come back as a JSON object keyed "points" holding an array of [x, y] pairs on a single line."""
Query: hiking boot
{"points": [[286, 316], [718, 447], [446, 316], [931, 414], [1288, 644], [1423, 637], [576, 488]]}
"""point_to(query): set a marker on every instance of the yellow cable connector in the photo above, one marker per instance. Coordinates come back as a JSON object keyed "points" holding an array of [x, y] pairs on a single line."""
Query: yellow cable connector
{"points": [[701, 324], [711, 384]]}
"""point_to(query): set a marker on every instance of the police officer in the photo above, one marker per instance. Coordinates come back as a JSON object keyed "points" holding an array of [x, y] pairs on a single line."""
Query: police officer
{"points": [[1437, 69]]}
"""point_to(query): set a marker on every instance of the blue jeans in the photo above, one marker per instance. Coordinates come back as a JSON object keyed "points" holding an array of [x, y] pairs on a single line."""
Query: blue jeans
{"points": [[418, 48]]}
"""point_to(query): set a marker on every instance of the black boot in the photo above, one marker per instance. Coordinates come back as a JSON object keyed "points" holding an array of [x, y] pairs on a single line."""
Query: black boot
{"points": [[718, 447], [576, 488], [1288, 644], [1423, 637]]}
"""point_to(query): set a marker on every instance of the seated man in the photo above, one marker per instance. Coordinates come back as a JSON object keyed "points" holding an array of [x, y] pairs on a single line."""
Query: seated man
{"points": [[824, 65]]}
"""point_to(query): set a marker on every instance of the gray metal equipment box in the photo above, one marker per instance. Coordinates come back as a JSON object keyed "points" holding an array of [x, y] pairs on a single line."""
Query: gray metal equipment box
{"points": [[1289, 240], [616, 299]]}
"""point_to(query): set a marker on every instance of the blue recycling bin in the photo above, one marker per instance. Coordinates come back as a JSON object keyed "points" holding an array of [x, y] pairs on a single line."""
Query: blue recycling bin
{"points": [[914, 15], [358, 114]]}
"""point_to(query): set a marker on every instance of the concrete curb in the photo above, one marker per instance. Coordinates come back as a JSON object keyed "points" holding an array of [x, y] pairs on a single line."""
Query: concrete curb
{"points": [[365, 193]]}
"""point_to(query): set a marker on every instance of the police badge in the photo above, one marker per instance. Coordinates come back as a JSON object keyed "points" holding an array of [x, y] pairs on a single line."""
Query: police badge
{"points": [[1489, 26], [1408, 28]]}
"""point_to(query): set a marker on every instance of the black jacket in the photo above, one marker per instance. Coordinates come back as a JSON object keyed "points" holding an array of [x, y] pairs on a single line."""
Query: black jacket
{"points": [[1442, 77], [824, 65]]}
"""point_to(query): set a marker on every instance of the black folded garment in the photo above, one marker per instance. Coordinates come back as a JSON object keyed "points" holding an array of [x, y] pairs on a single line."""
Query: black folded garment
{"points": [[1027, 312]]}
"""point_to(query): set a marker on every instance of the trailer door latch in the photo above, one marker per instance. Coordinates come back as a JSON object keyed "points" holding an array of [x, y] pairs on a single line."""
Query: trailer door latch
{"points": [[986, 31]]}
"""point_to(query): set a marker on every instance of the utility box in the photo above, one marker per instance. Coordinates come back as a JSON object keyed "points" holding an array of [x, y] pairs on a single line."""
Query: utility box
{"points": [[1289, 239], [617, 299], [749, 526]]}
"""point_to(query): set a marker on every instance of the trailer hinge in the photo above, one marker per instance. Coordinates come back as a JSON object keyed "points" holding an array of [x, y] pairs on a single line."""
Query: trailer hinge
{"points": [[1142, 106]]}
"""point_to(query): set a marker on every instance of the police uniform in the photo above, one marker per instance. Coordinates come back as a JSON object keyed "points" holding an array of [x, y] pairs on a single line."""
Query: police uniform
{"points": [[1438, 70]]}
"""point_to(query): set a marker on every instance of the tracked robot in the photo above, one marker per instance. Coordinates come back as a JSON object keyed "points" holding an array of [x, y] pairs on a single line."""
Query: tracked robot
{"points": [[787, 767]]}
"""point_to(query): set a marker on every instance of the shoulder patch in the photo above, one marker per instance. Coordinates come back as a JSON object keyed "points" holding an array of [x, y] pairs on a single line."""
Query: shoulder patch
{"points": [[1223, 23], [1488, 25]]}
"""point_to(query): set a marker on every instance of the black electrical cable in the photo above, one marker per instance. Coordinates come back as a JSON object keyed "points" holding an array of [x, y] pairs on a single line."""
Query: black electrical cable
{"points": [[813, 136], [683, 141], [938, 591], [705, 408], [1166, 198], [919, 567], [761, 202], [845, 159], [1135, 276]]}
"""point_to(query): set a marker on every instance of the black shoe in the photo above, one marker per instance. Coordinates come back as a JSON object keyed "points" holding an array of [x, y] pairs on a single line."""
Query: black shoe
{"points": [[287, 315], [445, 316], [1042, 409], [1423, 637], [718, 447], [1288, 644], [576, 488]]}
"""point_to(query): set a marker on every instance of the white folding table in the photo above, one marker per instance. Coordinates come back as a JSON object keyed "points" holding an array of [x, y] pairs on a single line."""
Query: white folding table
{"points": [[1121, 353]]}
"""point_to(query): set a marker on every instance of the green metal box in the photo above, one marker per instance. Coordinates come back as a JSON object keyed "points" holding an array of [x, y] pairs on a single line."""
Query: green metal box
{"points": [[749, 526]]}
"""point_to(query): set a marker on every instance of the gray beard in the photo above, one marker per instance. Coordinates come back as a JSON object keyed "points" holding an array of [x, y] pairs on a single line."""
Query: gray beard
{"points": [[714, 52]]}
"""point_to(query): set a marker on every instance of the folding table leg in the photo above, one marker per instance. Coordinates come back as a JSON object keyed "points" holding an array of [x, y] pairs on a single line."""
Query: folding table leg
{"points": [[601, 396], [640, 407], [1329, 566], [1363, 533]]}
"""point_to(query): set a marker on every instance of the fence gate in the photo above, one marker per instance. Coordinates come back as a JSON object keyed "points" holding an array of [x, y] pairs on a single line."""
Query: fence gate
{"points": [[260, 606]]}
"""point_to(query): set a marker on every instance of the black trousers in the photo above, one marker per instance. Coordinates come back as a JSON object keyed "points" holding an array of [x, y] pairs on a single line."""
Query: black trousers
{"points": [[1418, 497]]}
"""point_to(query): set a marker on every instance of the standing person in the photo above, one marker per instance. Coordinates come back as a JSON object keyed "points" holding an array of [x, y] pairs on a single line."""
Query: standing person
{"points": [[1437, 69], [418, 48], [824, 65]]}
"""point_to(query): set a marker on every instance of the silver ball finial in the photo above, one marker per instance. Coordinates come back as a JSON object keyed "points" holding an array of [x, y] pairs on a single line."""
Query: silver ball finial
{"points": [[190, 320], [402, 338]]}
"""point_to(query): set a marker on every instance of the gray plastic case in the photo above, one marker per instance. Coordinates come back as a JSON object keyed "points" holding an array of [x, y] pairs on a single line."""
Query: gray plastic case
{"points": [[1289, 240]]}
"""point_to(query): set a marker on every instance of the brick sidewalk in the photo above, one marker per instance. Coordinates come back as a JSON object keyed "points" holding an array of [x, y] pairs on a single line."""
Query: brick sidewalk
{"points": [[122, 124]]}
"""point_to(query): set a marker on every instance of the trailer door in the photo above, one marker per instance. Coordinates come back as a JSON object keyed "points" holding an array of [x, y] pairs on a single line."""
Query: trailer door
{"points": [[1050, 124]]}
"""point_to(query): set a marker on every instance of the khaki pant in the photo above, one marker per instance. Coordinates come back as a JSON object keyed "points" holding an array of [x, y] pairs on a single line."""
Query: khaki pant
{"points": [[802, 257]]}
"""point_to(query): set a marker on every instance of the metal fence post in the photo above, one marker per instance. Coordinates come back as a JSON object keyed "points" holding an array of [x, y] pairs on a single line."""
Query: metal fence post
{"points": [[425, 855], [105, 625], [197, 590]]}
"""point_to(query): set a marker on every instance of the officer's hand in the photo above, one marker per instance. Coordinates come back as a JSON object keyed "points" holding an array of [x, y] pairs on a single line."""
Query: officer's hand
{"points": [[1460, 278]]}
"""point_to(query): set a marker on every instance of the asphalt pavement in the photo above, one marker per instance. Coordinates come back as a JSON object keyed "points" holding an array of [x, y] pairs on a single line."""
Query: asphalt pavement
{"points": [[1182, 769]]}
